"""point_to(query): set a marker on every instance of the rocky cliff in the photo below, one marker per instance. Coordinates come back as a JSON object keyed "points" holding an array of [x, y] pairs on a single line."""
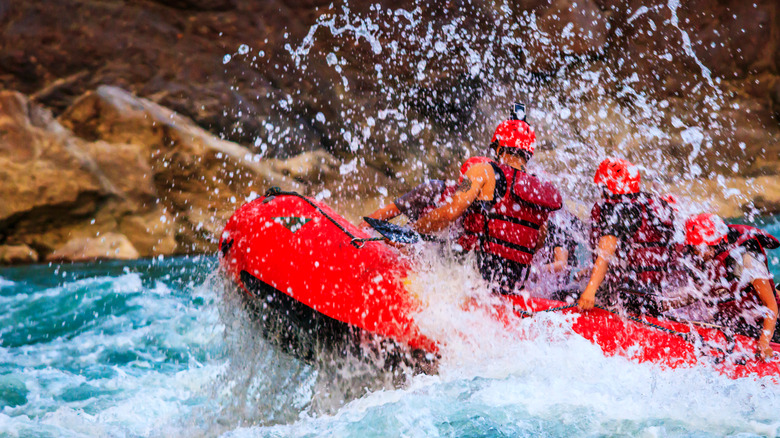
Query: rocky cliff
{"points": [[116, 177], [136, 126]]}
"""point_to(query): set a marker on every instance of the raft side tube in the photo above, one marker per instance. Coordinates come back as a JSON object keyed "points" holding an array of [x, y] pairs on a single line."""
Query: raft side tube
{"points": [[306, 333]]}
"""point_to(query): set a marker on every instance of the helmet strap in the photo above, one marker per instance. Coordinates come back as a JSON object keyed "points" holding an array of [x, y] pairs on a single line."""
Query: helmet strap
{"points": [[494, 149]]}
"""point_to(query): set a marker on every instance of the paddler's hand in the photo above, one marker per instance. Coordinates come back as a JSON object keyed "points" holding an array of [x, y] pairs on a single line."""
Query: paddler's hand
{"points": [[587, 301], [764, 351], [395, 245]]}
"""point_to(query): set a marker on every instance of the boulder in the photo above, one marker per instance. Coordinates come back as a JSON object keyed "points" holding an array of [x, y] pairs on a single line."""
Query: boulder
{"points": [[47, 176], [734, 196], [14, 254], [107, 246], [149, 234], [200, 5], [308, 166], [579, 30], [198, 179], [117, 165]]}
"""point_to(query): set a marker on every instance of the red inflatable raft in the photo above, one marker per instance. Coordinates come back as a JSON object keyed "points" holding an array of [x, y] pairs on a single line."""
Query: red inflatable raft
{"points": [[318, 282]]}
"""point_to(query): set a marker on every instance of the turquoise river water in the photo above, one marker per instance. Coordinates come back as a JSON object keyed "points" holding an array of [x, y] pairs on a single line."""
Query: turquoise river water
{"points": [[162, 348]]}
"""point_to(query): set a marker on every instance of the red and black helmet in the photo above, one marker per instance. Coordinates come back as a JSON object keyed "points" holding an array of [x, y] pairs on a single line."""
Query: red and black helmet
{"points": [[515, 134], [619, 176], [705, 228]]}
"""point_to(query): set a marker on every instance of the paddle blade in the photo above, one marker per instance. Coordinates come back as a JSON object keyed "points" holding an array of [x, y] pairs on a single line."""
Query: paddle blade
{"points": [[393, 232]]}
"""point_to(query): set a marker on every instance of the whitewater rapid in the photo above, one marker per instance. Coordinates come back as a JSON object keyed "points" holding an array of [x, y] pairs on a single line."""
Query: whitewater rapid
{"points": [[163, 348]]}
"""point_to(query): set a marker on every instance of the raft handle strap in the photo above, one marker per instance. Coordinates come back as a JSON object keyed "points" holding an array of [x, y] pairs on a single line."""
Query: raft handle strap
{"points": [[355, 241]]}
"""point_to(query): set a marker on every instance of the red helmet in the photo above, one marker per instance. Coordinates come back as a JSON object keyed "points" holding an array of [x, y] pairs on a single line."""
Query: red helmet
{"points": [[705, 228], [620, 176], [515, 134]]}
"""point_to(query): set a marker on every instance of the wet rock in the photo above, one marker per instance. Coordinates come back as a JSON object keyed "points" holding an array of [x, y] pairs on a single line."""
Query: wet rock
{"points": [[46, 175], [570, 30], [108, 246], [14, 254], [149, 235], [116, 165], [175, 54], [764, 205], [734, 196], [308, 166], [195, 175], [201, 5]]}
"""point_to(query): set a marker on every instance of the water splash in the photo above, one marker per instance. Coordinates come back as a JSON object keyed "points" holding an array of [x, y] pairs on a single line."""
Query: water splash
{"points": [[533, 377], [172, 352], [439, 81]]}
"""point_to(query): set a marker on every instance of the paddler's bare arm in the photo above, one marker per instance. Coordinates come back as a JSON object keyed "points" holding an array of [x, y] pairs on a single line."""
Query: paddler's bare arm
{"points": [[475, 184], [607, 248], [767, 296], [560, 260]]}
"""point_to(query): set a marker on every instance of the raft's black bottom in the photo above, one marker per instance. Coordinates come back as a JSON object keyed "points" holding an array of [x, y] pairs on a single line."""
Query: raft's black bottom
{"points": [[308, 334]]}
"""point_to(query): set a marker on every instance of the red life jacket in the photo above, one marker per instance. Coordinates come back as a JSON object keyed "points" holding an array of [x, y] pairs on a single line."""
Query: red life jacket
{"points": [[724, 270], [648, 252], [509, 226]]}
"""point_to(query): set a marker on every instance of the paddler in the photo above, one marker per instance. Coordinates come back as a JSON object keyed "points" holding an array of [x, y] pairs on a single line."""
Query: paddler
{"points": [[423, 198], [504, 208], [735, 264], [631, 232], [564, 232], [555, 262]]}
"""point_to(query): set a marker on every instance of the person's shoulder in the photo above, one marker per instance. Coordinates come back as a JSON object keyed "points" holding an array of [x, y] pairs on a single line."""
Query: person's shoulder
{"points": [[480, 170], [623, 212], [471, 162]]}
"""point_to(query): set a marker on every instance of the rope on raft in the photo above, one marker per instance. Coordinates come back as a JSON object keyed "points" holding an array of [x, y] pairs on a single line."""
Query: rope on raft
{"points": [[688, 337], [355, 241]]}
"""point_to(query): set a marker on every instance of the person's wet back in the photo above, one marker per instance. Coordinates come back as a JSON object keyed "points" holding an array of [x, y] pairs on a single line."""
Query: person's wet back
{"points": [[631, 233], [556, 262]]}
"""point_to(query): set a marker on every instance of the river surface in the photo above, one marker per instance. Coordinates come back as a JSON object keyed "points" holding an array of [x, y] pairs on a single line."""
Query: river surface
{"points": [[162, 348]]}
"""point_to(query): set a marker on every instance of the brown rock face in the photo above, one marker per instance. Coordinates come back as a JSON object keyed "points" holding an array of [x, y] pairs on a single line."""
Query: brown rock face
{"points": [[108, 246], [13, 254], [117, 173], [198, 180], [377, 95], [581, 30], [200, 5], [288, 62], [46, 176]]}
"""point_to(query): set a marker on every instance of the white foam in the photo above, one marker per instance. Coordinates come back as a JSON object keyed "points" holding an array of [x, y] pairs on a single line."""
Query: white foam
{"points": [[6, 283]]}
